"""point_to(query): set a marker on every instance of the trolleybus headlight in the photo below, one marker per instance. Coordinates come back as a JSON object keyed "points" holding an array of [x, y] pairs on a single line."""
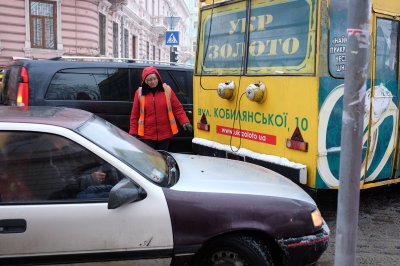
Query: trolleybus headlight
{"points": [[256, 92], [317, 218], [226, 90]]}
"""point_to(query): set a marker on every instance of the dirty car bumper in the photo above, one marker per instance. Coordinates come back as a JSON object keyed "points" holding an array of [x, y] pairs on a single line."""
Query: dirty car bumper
{"points": [[305, 250]]}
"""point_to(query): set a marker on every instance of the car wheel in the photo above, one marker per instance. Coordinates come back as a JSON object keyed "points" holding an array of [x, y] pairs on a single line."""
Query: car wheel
{"points": [[234, 250]]}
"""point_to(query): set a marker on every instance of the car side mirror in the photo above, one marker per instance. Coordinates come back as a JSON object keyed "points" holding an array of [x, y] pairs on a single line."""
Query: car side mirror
{"points": [[125, 191]]}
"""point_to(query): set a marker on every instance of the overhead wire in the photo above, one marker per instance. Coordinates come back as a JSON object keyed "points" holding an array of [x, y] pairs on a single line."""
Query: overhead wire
{"points": [[242, 67], [239, 99]]}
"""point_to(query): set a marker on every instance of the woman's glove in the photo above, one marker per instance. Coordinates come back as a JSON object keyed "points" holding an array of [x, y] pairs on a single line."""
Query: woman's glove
{"points": [[187, 127]]}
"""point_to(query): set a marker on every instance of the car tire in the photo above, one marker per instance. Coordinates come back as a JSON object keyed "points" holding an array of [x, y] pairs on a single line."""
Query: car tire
{"points": [[234, 250]]}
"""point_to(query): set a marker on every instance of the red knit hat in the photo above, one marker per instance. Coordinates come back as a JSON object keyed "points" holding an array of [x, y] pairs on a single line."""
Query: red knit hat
{"points": [[150, 70]]}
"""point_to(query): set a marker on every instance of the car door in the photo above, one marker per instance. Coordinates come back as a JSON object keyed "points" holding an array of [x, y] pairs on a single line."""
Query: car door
{"points": [[44, 217]]}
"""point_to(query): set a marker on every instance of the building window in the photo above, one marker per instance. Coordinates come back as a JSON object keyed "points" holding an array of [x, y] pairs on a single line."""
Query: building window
{"points": [[43, 24], [147, 50], [102, 34], [154, 52], [133, 46], [159, 55], [126, 45], [115, 39], [194, 47]]}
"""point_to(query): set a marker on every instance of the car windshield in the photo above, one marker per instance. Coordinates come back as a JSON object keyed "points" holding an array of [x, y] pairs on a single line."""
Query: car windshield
{"points": [[149, 162]]}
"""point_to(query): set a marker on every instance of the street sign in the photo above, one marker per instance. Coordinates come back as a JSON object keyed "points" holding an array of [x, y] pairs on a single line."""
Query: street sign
{"points": [[172, 38]]}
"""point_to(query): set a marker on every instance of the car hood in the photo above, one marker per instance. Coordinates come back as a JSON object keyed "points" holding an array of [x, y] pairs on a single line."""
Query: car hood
{"points": [[218, 175]]}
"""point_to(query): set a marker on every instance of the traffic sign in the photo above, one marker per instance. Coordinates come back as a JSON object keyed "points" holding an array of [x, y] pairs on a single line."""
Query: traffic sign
{"points": [[172, 38]]}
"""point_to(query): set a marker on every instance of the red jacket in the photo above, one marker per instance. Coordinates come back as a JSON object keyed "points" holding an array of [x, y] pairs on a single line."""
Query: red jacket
{"points": [[156, 121]]}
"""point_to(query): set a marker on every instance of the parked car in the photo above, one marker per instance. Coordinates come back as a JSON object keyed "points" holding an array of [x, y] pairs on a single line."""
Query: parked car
{"points": [[158, 206], [103, 87]]}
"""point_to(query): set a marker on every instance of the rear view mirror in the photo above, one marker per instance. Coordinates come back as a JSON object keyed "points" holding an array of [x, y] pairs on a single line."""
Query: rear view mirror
{"points": [[126, 191]]}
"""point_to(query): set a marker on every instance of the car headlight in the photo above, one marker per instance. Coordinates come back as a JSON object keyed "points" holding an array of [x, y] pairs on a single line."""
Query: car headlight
{"points": [[317, 218]]}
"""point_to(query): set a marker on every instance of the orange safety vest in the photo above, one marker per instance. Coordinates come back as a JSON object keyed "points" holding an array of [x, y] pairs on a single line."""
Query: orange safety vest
{"points": [[172, 121]]}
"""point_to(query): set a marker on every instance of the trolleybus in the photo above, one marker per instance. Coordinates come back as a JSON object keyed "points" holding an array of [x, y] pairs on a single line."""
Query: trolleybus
{"points": [[269, 83]]}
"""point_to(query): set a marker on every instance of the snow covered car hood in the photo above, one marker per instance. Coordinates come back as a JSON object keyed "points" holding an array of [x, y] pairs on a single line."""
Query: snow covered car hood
{"points": [[218, 175]]}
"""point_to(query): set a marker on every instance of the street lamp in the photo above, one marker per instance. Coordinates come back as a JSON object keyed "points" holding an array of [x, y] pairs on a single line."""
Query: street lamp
{"points": [[171, 21]]}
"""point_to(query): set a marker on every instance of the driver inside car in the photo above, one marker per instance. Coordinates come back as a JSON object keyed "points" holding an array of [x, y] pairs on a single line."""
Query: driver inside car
{"points": [[97, 182], [85, 175]]}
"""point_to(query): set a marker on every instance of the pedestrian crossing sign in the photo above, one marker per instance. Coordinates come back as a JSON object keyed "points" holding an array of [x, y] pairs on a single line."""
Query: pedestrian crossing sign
{"points": [[172, 38]]}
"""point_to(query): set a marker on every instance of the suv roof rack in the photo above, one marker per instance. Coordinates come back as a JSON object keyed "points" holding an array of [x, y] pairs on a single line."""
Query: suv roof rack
{"points": [[14, 58], [118, 60]]}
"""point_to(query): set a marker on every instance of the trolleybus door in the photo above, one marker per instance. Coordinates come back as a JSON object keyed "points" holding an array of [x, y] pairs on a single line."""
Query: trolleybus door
{"points": [[381, 159]]}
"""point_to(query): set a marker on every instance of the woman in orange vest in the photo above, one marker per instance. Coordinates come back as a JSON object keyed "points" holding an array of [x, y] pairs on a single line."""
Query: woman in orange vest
{"points": [[155, 111]]}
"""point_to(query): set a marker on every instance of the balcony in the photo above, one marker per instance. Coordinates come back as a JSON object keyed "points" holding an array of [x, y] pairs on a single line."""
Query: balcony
{"points": [[159, 26], [116, 4]]}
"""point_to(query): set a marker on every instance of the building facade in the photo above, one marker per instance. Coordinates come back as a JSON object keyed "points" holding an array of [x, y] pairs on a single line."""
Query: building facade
{"points": [[101, 28], [192, 26]]}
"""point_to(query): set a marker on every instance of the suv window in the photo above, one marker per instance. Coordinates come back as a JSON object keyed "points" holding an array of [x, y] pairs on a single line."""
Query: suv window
{"points": [[184, 92], [93, 84], [136, 78], [11, 78], [177, 82]]}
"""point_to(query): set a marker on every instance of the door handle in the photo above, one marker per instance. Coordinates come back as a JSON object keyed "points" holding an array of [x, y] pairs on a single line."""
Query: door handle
{"points": [[11, 226]]}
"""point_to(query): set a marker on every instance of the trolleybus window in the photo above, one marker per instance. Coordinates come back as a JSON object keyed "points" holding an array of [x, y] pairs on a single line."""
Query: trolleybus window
{"points": [[337, 38], [282, 37], [223, 35], [386, 53]]}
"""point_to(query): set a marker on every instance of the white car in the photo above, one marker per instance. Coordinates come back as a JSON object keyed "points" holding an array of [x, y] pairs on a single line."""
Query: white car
{"points": [[75, 189]]}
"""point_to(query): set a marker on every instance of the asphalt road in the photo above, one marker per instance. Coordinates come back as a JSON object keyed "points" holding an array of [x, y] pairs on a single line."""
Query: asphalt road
{"points": [[378, 238]]}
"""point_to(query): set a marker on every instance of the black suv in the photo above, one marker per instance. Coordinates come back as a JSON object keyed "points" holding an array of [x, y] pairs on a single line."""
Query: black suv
{"points": [[104, 88]]}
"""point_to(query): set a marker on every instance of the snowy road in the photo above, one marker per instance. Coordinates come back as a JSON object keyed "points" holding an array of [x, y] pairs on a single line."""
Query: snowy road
{"points": [[378, 240]]}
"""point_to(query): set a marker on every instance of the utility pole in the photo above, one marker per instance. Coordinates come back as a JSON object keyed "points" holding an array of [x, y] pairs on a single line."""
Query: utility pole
{"points": [[358, 44], [171, 48]]}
